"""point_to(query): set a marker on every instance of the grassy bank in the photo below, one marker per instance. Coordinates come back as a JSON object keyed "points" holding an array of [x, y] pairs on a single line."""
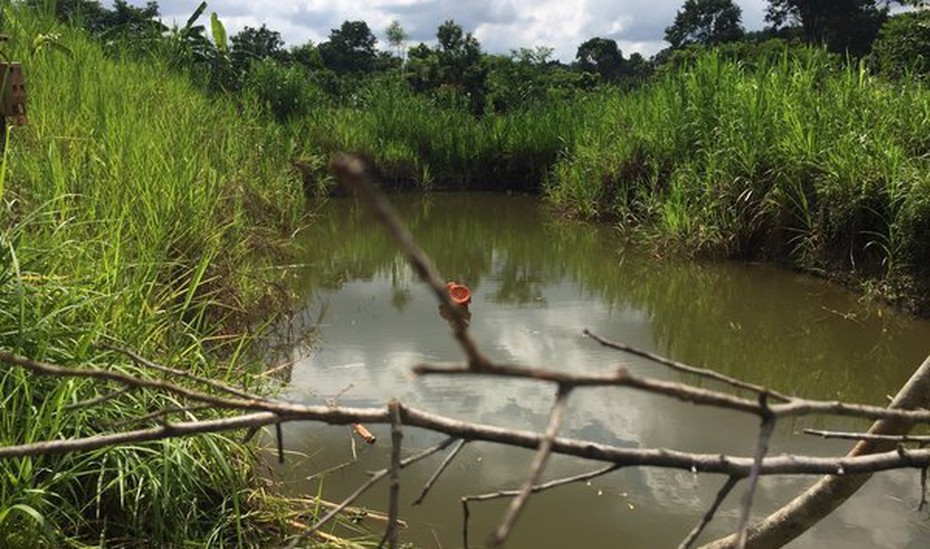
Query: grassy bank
{"points": [[790, 155], [133, 211], [419, 144], [797, 159]]}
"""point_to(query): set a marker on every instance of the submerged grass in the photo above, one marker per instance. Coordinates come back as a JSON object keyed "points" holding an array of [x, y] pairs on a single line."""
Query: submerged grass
{"points": [[134, 211]]}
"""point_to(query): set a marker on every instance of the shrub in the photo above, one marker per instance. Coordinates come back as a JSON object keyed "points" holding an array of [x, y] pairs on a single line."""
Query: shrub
{"points": [[903, 46]]}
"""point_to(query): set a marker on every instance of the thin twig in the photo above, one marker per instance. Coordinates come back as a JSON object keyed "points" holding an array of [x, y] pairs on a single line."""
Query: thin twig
{"points": [[546, 485], [536, 468], [397, 435], [354, 512], [181, 373], [160, 414], [376, 476], [279, 437], [442, 467], [845, 435], [709, 515], [97, 400], [622, 377], [762, 448], [923, 489], [466, 514], [334, 511], [686, 368]]}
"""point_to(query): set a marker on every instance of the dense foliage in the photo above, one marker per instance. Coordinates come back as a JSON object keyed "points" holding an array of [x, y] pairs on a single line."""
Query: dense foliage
{"points": [[903, 46], [705, 22]]}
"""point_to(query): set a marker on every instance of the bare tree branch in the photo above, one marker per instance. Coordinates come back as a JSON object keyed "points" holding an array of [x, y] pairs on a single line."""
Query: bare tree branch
{"points": [[762, 448], [709, 515], [844, 435], [376, 477], [686, 368], [536, 468], [442, 467], [172, 430], [397, 435], [623, 378]]}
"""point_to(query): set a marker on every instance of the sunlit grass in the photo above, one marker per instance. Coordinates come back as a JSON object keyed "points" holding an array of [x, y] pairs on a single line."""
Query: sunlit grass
{"points": [[799, 158], [136, 211]]}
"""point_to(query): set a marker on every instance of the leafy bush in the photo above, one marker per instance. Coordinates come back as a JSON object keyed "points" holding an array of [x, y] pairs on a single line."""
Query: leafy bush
{"points": [[903, 46], [286, 92]]}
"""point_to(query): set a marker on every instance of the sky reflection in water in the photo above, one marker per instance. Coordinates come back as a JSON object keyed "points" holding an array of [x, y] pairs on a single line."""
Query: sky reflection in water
{"points": [[536, 285]]}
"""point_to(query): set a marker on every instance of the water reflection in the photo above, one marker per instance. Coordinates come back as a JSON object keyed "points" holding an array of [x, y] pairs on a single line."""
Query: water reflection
{"points": [[536, 285]]}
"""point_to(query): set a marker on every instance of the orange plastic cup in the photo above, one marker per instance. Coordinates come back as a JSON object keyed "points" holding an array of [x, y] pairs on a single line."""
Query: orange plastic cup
{"points": [[459, 293]]}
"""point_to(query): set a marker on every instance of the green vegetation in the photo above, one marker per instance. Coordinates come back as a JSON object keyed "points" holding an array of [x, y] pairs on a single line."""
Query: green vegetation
{"points": [[153, 188], [134, 212], [798, 159], [903, 46]]}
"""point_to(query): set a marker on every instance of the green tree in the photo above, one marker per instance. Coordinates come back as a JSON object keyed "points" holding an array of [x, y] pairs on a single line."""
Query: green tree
{"points": [[460, 64], [454, 71], [397, 38], [903, 46], [134, 21], [842, 25], [601, 56], [308, 56], [260, 44], [123, 19], [350, 49], [705, 22]]}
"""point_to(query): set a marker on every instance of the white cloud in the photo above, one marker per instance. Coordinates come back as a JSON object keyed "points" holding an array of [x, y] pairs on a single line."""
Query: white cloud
{"points": [[500, 26]]}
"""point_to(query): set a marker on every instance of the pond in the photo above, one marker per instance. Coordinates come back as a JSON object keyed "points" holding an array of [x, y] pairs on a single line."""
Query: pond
{"points": [[537, 284]]}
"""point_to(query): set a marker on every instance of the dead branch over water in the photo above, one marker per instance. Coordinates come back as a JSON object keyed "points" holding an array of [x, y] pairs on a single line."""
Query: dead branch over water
{"points": [[879, 450]]}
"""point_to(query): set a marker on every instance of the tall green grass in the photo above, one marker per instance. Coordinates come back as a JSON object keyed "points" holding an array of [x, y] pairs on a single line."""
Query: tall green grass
{"points": [[135, 211], [798, 159], [418, 143]]}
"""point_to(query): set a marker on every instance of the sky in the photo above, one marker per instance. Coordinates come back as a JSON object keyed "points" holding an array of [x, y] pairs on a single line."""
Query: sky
{"points": [[500, 25]]}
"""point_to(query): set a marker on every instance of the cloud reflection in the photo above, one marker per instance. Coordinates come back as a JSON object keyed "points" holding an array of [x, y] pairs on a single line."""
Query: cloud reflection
{"points": [[573, 279]]}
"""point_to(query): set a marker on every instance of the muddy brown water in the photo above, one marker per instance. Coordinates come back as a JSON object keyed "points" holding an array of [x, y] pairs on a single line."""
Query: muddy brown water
{"points": [[537, 284]]}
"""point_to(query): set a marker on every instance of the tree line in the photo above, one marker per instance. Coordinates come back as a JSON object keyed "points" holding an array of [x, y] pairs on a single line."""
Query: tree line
{"points": [[456, 71]]}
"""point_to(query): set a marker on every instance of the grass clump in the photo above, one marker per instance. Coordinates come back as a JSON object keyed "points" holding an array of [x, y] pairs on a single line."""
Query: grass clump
{"points": [[419, 143], [134, 211], [797, 159]]}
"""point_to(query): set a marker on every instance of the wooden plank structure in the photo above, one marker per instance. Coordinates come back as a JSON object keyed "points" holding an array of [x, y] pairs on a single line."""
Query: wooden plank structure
{"points": [[13, 105]]}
